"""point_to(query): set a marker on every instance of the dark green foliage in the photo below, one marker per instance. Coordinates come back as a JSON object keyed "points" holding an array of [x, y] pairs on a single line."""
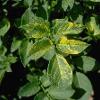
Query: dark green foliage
{"points": [[51, 40]]}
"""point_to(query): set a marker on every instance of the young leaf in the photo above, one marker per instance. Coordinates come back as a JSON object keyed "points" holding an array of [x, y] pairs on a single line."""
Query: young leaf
{"points": [[60, 72], [27, 17], [15, 44], [71, 46], [62, 26], [81, 81], [67, 3], [93, 27], [29, 89], [59, 93], [38, 28], [39, 48], [4, 27]]}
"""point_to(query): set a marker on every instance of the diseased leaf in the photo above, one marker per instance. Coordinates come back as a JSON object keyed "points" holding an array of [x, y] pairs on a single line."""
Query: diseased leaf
{"points": [[39, 48], [4, 27], [38, 28], [63, 27], [71, 46], [29, 51], [29, 89], [59, 93], [67, 3], [60, 72]]}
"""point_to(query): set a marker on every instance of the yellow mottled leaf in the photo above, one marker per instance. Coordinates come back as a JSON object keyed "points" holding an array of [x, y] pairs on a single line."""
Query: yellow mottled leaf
{"points": [[71, 46], [60, 72]]}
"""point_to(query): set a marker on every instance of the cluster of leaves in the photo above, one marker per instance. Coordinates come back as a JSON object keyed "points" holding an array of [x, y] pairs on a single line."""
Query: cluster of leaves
{"points": [[58, 33]]}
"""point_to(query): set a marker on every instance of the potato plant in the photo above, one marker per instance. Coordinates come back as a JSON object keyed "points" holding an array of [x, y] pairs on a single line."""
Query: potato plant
{"points": [[50, 40]]}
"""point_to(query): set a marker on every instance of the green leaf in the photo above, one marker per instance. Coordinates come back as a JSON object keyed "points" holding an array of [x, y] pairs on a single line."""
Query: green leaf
{"points": [[11, 59], [67, 3], [32, 78], [2, 72], [27, 17], [93, 27], [71, 46], [39, 48], [41, 96], [54, 3], [45, 80], [15, 44], [29, 51], [60, 72], [49, 54], [24, 50], [86, 96], [81, 81], [5, 63], [62, 26], [29, 89], [3, 50], [85, 63], [28, 3], [4, 27], [59, 93], [38, 28], [92, 0]]}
